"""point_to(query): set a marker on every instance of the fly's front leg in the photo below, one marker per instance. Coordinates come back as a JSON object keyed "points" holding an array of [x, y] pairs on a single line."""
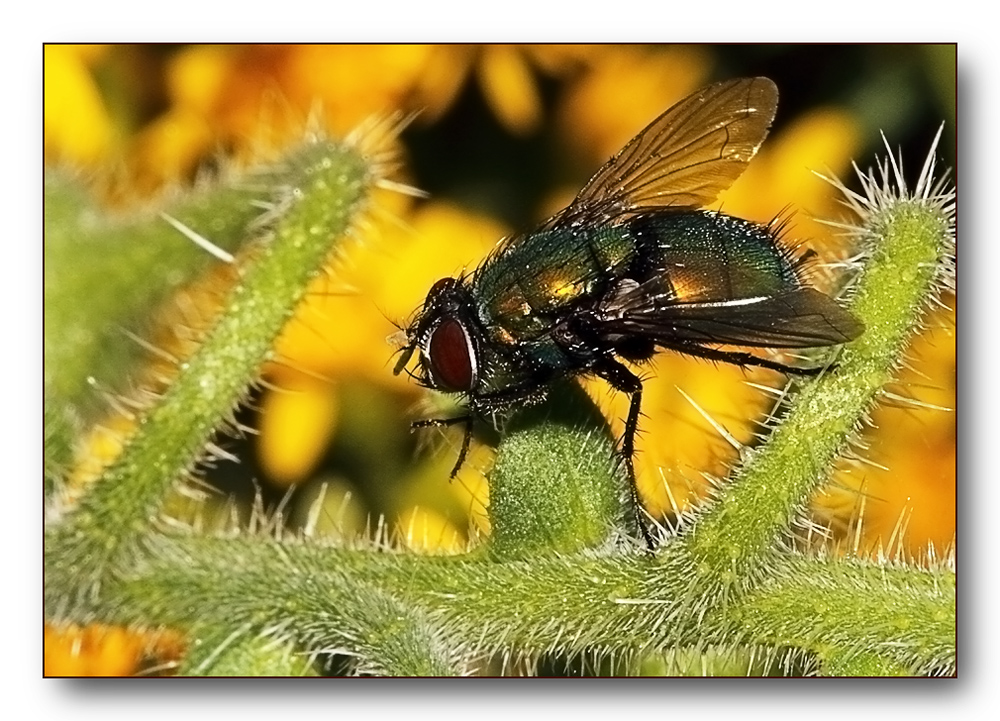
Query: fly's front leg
{"points": [[466, 439], [485, 403]]}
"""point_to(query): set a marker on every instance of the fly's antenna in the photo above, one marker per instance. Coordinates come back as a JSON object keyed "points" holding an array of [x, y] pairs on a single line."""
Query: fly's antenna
{"points": [[404, 352]]}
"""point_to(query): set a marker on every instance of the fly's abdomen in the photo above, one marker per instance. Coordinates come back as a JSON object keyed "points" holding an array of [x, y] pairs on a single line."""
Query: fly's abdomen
{"points": [[704, 257]]}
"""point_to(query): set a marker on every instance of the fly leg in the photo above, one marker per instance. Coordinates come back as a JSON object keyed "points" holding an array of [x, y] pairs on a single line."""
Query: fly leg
{"points": [[625, 381], [466, 440], [743, 359], [484, 404]]}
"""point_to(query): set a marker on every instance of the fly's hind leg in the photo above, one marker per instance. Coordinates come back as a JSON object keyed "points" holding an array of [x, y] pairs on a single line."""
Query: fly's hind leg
{"points": [[738, 358], [625, 381]]}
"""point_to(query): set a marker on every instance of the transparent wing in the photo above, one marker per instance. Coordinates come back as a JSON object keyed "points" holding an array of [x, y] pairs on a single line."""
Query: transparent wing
{"points": [[684, 158], [797, 318]]}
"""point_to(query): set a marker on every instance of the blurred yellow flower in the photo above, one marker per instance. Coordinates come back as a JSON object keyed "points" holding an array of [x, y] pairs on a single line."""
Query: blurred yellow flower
{"points": [[509, 88], [245, 99], [197, 76], [626, 88], [254, 98], [98, 650], [297, 422], [506, 77], [77, 125], [424, 530]]}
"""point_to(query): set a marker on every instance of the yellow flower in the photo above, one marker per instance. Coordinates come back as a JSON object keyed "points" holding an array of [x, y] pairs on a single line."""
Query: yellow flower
{"points": [[297, 422], [506, 77], [424, 530], [624, 89], [252, 99], [245, 98], [77, 124], [510, 91], [98, 650]]}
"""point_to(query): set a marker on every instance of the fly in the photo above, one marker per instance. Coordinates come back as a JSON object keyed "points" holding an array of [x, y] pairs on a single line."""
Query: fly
{"points": [[633, 265]]}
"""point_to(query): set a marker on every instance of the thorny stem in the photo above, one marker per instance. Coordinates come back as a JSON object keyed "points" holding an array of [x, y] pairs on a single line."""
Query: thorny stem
{"points": [[558, 582]]}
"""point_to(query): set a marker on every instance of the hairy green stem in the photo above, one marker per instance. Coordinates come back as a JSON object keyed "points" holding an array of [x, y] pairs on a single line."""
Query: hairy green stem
{"points": [[579, 503], [853, 663], [736, 535], [223, 651], [107, 528], [567, 603], [105, 272], [907, 619]]}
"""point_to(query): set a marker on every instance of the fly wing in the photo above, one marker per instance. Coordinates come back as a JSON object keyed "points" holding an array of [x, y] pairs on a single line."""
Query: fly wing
{"points": [[800, 317], [684, 158]]}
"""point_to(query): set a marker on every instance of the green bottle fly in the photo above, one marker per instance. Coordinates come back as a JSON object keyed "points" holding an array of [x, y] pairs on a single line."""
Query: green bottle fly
{"points": [[633, 265]]}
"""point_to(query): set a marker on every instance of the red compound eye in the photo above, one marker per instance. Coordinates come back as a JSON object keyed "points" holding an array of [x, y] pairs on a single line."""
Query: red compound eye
{"points": [[452, 357]]}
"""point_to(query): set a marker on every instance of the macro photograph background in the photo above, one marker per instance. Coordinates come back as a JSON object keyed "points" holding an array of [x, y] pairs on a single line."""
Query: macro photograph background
{"points": [[496, 139]]}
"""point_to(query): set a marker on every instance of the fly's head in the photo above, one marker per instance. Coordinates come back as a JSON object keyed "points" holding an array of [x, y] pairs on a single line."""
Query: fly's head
{"points": [[447, 339]]}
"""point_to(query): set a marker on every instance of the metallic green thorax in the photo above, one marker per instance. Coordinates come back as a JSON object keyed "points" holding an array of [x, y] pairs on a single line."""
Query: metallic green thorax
{"points": [[531, 280], [684, 257]]}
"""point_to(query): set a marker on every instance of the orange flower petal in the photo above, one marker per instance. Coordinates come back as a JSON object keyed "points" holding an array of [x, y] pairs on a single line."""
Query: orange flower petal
{"points": [[197, 75]]}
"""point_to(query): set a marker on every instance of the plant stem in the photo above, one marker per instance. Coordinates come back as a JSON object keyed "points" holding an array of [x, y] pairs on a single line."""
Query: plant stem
{"points": [[736, 536], [571, 603], [105, 532], [554, 486]]}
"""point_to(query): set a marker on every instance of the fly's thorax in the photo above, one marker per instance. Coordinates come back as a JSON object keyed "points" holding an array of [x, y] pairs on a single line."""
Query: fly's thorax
{"points": [[526, 286], [505, 369]]}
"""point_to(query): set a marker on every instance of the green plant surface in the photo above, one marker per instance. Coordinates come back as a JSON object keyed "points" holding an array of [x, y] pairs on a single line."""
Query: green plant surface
{"points": [[572, 604], [94, 260], [905, 244], [233, 654], [563, 573], [320, 188], [580, 504]]}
